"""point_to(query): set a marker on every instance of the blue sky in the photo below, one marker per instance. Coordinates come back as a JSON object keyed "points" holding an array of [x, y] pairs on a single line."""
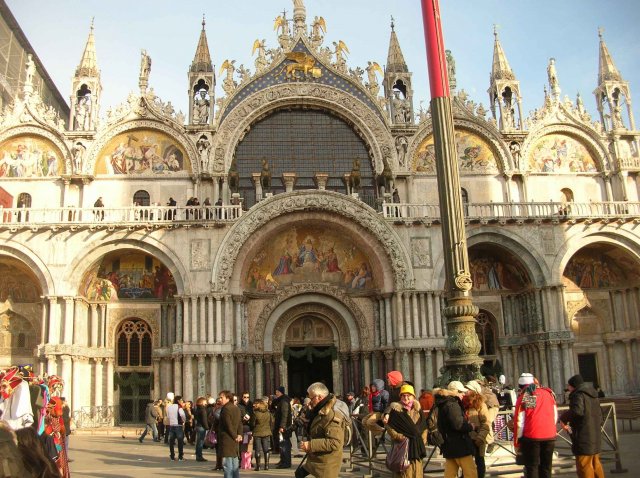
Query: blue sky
{"points": [[530, 31]]}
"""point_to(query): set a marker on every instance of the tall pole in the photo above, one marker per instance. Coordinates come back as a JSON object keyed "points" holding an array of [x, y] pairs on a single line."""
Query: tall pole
{"points": [[463, 346]]}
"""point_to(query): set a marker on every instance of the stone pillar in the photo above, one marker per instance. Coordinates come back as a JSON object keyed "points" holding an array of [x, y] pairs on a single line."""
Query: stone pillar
{"points": [[258, 185], [269, 385], [289, 180], [423, 315], [438, 316], [210, 320], [186, 321], [43, 322], [367, 372], [556, 383], [227, 374], [567, 361], [237, 301], [544, 366], [156, 379], [251, 376], [202, 373], [164, 325], [202, 336], [629, 366], [404, 363], [400, 319], [178, 320], [378, 323], [93, 320], [54, 322], [98, 384], [177, 375], [228, 319], [611, 358], [409, 333], [388, 319], [417, 371], [321, 180], [194, 319], [219, 336], [68, 321], [78, 377], [66, 372], [52, 365], [429, 376], [187, 366], [357, 381], [260, 391], [240, 371], [213, 376], [216, 195], [439, 360], [110, 382], [388, 365], [515, 368], [432, 315]]}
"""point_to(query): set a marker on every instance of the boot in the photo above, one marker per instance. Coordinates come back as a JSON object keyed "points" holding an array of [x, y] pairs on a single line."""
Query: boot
{"points": [[257, 462], [266, 461]]}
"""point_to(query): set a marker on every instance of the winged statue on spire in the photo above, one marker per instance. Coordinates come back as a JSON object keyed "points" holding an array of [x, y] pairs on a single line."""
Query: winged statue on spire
{"points": [[228, 85]]}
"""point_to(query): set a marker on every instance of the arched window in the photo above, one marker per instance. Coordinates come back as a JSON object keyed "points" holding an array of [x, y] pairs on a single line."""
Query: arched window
{"points": [[141, 198], [567, 195], [24, 200], [486, 334], [465, 201], [133, 344]]}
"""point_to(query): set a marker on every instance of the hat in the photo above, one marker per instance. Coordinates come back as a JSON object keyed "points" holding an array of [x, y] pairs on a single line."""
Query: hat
{"points": [[406, 388], [475, 386], [280, 389], [350, 393], [394, 377], [576, 381], [456, 386], [525, 379], [170, 396], [265, 399]]}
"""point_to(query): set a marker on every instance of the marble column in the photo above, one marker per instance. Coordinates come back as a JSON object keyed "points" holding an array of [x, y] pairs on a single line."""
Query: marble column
{"points": [[378, 327], [429, 375], [629, 366], [228, 319], [439, 360], [611, 358], [66, 372], [186, 321], [218, 319], [356, 361], [423, 315], [52, 365], [431, 315], [202, 373], [54, 323], [556, 383], [260, 389], [177, 375], [367, 372], [240, 371], [388, 362], [210, 320], [187, 385], [227, 377], [171, 324], [98, 384], [404, 363], [544, 365], [251, 376], [93, 319], [213, 376], [269, 386], [178, 320], [567, 361], [194, 319], [417, 370], [406, 309], [237, 301], [399, 315], [110, 382], [156, 379], [202, 335], [68, 320], [388, 320], [43, 322]]}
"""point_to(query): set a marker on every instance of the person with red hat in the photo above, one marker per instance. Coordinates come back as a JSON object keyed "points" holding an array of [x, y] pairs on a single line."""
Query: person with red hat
{"points": [[15, 399], [394, 380]]}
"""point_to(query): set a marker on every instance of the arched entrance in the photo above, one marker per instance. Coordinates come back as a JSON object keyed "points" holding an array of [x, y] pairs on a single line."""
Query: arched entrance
{"points": [[309, 351], [134, 372]]}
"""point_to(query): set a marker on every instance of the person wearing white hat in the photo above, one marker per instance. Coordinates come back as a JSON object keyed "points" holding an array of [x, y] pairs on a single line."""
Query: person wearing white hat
{"points": [[534, 431], [457, 449]]}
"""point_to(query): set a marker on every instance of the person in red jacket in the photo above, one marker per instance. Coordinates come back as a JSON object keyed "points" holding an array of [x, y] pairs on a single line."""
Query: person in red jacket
{"points": [[534, 432]]}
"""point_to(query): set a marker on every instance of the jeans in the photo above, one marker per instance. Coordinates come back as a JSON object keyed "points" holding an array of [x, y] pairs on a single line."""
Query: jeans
{"points": [[176, 432], [285, 449], [538, 457], [200, 432], [231, 467], [154, 431]]}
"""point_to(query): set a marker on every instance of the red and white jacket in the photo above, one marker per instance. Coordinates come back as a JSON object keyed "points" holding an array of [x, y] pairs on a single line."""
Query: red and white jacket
{"points": [[535, 415]]}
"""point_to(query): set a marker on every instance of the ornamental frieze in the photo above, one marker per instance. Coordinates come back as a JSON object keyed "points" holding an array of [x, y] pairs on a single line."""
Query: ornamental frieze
{"points": [[328, 201]]}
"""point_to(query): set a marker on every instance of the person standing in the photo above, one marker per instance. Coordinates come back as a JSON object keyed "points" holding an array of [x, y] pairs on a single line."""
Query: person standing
{"points": [[229, 435], [99, 214], [151, 419], [260, 423], [478, 415], [457, 448], [584, 419], [201, 426], [66, 419], [176, 418], [325, 433], [395, 381], [282, 428], [534, 432], [406, 421]]}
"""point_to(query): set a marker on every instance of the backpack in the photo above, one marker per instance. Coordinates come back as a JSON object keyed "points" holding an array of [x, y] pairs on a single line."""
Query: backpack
{"points": [[434, 436], [342, 409]]}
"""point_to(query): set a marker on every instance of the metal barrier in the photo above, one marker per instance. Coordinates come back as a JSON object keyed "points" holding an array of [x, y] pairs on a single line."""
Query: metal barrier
{"points": [[367, 452], [95, 417]]}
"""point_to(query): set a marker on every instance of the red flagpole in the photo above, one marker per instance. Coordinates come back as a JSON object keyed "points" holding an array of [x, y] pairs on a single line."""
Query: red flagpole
{"points": [[436, 59]]}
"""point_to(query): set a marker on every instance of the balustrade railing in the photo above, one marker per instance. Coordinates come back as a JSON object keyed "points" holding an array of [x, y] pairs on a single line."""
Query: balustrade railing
{"points": [[119, 215], [517, 210]]}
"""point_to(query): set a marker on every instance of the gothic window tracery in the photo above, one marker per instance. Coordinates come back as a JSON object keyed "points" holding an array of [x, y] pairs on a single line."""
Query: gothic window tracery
{"points": [[485, 329], [133, 340]]}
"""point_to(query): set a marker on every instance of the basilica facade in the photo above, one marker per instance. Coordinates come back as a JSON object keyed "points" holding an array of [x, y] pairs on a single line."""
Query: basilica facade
{"points": [[289, 231]]}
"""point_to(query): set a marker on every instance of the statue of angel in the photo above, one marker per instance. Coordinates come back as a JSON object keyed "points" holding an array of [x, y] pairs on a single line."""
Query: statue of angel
{"points": [[228, 85], [243, 73], [281, 23], [340, 51], [373, 85], [261, 60], [318, 29]]}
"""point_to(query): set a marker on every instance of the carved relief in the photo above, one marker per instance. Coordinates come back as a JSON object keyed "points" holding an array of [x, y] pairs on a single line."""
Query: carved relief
{"points": [[200, 254], [421, 257]]}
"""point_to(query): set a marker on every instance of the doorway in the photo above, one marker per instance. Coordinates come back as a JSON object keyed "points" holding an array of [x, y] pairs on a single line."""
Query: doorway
{"points": [[306, 365], [588, 368]]}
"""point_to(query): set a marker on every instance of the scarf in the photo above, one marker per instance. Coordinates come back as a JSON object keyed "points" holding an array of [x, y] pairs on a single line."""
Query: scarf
{"points": [[371, 395], [402, 423], [313, 413]]}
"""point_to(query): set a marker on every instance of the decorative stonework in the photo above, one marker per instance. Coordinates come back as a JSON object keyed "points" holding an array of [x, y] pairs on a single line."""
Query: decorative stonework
{"points": [[285, 321], [332, 202], [200, 254], [366, 122], [115, 316], [299, 289]]}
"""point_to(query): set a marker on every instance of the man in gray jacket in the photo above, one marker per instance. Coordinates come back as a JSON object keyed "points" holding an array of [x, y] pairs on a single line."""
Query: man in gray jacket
{"points": [[151, 420]]}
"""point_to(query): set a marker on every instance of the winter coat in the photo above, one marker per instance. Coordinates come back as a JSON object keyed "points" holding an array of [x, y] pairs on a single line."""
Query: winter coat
{"points": [[150, 414], [282, 412], [585, 417], [201, 417], [480, 420], [326, 440], [415, 469], [535, 415], [261, 421], [380, 400], [452, 425], [229, 428]]}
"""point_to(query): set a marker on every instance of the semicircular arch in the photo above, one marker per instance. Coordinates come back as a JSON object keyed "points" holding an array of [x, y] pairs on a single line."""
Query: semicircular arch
{"points": [[28, 257], [387, 242], [367, 123], [322, 312], [46, 135]]}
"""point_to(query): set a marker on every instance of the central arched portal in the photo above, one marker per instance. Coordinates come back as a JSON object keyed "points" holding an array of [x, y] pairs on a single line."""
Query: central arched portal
{"points": [[309, 350]]}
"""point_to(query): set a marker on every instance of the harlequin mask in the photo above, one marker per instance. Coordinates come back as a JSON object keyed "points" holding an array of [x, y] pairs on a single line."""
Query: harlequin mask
{"points": [[9, 381], [56, 384]]}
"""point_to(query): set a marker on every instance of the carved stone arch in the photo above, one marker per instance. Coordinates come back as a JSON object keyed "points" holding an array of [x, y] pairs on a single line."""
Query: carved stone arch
{"points": [[374, 131], [587, 137], [608, 235], [29, 257], [321, 311], [526, 252], [326, 201], [52, 136], [99, 247], [109, 133], [499, 148], [323, 294]]}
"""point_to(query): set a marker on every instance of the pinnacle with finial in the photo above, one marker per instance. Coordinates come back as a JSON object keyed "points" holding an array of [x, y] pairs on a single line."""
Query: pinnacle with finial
{"points": [[392, 23], [88, 63], [607, 70], [500, 68], [203, 21], [395, 58], [202, 58]]}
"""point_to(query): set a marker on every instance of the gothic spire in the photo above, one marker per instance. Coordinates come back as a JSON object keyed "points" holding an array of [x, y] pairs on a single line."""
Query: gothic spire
{"points": [[202, 58], [88, 63], [500, 70], [395, 58], [607, 70]]}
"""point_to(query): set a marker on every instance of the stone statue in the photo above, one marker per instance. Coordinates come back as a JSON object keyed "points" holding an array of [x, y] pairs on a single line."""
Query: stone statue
{"points": [[451, 69], [553, 77], [30, 71], [372, 68], [402, 145], [265, 176], [228, 85], [204, 148], [355, 176], [318, 29], [514, 149], [145, 65], [340, 51], [78, 154], [201, 108], [83, 111], [261, 60]]}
